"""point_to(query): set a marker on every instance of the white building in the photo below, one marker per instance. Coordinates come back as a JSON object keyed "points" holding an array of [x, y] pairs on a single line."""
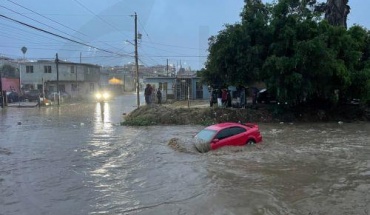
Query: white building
{"points": [[74, 78]]}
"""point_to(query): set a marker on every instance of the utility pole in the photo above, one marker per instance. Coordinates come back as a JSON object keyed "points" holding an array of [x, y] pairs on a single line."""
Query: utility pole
{"points": [[167, 68], [1, 92], [20, 85], [57, 65], [137, 65]]}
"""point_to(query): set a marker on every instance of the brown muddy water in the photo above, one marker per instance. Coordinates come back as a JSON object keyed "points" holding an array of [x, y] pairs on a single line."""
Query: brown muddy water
{"points": [[76, 160]]}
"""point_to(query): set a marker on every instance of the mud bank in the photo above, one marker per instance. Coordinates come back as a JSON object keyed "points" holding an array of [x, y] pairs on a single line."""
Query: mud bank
{"points": [[164, 115], [175, 115]]}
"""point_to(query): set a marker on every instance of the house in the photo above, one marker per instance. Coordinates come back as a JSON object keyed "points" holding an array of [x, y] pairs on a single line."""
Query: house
{"points": [[179, 88], [76, 79], [117, 79]]}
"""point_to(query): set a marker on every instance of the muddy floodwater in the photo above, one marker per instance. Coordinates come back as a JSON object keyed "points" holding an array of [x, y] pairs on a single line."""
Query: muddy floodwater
{"points": [[77, 159]]}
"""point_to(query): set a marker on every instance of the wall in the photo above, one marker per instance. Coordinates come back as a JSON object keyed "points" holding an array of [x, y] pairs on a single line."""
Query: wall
{"points": [[10, 83]]}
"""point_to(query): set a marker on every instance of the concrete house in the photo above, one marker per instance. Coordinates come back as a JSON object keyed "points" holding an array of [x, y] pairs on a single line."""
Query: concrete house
{"points": [[76, 79], [179, 88]]}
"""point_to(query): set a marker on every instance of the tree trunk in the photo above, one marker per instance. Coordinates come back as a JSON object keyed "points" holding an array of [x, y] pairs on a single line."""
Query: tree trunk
{"points": [[336, 12]]}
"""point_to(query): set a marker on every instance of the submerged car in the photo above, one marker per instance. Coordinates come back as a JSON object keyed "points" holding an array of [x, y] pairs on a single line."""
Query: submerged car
{"points": [[227, 134]]}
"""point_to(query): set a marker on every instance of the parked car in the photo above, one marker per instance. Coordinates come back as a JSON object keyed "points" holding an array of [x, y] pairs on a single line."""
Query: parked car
{"points": [[227, 134], [264, 96], [32, 95], [13, 97]]}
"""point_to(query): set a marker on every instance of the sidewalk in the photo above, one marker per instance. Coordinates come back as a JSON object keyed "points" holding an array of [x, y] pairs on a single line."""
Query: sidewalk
{"points": [[23, 104]]}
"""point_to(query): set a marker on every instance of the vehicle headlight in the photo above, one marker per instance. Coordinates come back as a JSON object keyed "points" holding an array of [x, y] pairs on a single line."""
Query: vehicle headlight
{"points": [[98, 95], [106, 95]]}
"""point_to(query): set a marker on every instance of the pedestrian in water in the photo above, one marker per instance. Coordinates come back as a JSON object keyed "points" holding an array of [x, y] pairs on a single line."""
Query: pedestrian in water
{"points": [[159, 96], [148, 94]]}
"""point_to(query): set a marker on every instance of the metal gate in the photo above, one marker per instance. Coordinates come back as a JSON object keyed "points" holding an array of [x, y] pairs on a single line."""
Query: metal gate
{"points": [[183, 89]]}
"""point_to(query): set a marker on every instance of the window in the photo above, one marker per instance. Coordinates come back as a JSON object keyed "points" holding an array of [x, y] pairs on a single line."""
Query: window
{"points": [[29, 69], [237, 130], [228, 132], [72, 69], [47, 69], [224, 134]]}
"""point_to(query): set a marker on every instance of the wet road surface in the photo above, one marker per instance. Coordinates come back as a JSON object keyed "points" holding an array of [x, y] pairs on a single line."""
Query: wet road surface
{"points": [[76, 160]]}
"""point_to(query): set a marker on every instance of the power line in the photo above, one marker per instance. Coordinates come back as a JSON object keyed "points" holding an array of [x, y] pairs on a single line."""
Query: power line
{"points": [[16, 34], [46, 17], [103, 20], [37, 21], [180, 56], [175, 46], [52, 21], [62, 37]]}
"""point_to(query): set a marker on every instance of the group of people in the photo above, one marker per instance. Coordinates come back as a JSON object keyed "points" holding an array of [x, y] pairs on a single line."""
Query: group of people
{"points": [[148, 93], [224, 97]]}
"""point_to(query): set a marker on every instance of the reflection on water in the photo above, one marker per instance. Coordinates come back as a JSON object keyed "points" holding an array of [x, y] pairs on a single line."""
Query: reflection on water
{"points": [[53, 164], [103, 115]]}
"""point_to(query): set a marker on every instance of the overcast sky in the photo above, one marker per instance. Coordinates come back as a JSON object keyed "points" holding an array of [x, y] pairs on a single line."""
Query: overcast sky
{"points": [[176, 30]]}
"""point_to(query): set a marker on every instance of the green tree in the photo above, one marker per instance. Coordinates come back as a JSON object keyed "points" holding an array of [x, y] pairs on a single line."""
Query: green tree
{"points": [[8, 71], [237, 53], [301, 57]]}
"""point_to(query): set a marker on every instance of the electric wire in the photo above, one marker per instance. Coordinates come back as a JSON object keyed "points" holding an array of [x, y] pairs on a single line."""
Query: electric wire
{"points": [[59, 36], [46, 17], [39, 22], [103, 20], [54, 22]]}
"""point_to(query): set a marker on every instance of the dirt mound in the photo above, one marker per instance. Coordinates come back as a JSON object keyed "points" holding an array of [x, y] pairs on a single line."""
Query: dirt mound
{"points": [[199, 114], [165, 115]]}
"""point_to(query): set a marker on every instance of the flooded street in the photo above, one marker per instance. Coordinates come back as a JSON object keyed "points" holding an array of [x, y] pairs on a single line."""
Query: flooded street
{"points": [[76, 160]]}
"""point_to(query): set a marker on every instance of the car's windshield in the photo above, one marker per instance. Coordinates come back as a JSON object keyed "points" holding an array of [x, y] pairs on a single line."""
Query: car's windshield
{"points": [[206, 135]]}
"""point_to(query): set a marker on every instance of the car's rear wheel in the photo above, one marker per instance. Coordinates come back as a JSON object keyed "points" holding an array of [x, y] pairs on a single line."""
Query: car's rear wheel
{"points": [[250, 142]]}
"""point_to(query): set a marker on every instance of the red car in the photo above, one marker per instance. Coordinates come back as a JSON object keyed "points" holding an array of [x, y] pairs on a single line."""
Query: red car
{"points": [[227, 134]]}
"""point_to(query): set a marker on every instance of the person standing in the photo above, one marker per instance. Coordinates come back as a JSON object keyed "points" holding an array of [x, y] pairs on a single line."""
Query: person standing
{"points": [[224, 97], [242, 97], [159, 96], [148, 94]]}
